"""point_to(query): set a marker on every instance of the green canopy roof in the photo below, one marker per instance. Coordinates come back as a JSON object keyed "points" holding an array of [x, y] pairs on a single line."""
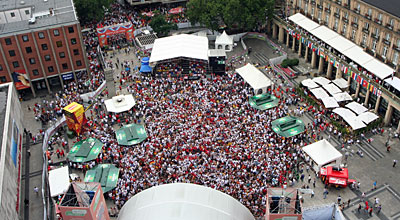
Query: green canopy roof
{"points": [[105, 174], [131, 134], [263, 101], [288, 126], [85, 150]]}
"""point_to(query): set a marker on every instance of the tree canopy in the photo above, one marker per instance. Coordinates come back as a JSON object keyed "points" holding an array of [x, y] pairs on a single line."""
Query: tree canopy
{"points": [[241, 14], [160, 25], [91, 10]]}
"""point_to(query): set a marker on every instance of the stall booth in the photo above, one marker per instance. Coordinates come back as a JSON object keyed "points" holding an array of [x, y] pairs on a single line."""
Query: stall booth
{"points": [[335, 176], [123, 30], [322, 153], [255, 78]]}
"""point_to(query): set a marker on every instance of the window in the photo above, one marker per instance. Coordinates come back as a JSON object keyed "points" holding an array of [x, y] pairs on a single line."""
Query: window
{"points": [[59, 44], [395, 58], [319, 15], [76, 52], [51, 69], [35, 72], [336, 24], [12, 14], [376, 32], [41, 35], [373, 46], [79, 63], [73, 41], [306, 7], [364, 39], [62, 54], [44, 47], [27, 12], [312, 11], [337, 10], [327, 19], [1, 68], [353, 34], [15, 64], [28, 49], [56, 32], [380, 17], [391, 22], [32, 60], [387, 37], [366, 25], [25, 38], [384, 52], [346, 15], [328, 6], [65, 66], [299, 3], [355, 19], [8, 41], [70, 29], [358, 7], [3, 79], [344, 29], [47, 57], [369, 12], [11, 52]]}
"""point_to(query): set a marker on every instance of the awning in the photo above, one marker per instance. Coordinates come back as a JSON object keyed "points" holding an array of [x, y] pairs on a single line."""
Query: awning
{"points": [[324, 33], [58, 181], [368, 117], [340, 43], [356, 107], [378, 68], [338, 181], [304, 22], [344, 112], [309, 83], [332, 88], [358, 55], [354, 122], [341, 97], [394, 82], [330, 102], [297, 17], [321, 80], [341, 83], [319, 93]]}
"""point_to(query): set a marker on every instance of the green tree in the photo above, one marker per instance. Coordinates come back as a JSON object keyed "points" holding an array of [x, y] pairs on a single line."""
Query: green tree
{"points": [[91, 10], [161, 26], [242, 14]]}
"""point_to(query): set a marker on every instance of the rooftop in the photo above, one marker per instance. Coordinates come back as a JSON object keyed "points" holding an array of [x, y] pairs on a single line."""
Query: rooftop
{"points": [[390, 6], [63, 12]]}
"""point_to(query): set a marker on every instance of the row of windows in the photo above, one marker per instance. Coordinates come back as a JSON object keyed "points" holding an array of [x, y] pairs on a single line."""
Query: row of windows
{"points": [[44, 47], [50, 68], [56, 32]]}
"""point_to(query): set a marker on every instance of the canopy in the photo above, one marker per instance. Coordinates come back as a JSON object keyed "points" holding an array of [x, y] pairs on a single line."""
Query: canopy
{"points": [[303, 22], [339, 173], [105, 174], [263, 101], [319, 93], [321, 80], [332, 88], [58, 181], [358, 55], [309, 83], [322, 153], [394, 82], [297, 17], [354, 122], [368, 117], [288, 126], [343, 96], [330, 102], [224, 38], [183, 45], [121, 103], [131, 134], [344, 112], [254, 77], [378, 68], [324, 33], [183, 201], [341, 83], [85, 150], [340, 43], [356, 107]]}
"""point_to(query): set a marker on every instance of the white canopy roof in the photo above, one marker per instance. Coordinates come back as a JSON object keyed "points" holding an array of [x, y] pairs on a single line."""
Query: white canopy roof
{"points": [[224, 39], [330, 102], [303, 22], [395, 82], [297, 17], [332, 88], [321, 80], [324, 33], [340, 43], [368, 117], [322, 152], [378, 68], [309, 83], [343, 96], [354, 122], [58, 181], [356, 107], [341, 83], [344, 112], [121, 103], [183, 201], [358, 55], [254, 77], [319, 93], [183, 45]]}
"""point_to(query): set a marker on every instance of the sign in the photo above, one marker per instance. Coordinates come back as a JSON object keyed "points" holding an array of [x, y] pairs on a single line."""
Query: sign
{"points": [[21, 79], [76, 212], [67, 76]]}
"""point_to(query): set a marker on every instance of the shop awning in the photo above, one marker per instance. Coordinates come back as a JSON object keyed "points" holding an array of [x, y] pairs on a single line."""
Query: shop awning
{"points": [[332, 88], [356, 107], [330, 102], [378, 68], [309, 83], [319, 93], [341, 83], [343, 96], [340, 43], [324, 33], [358, 55], [394, 82], [297, 17], [368, 117], [321, 80]]}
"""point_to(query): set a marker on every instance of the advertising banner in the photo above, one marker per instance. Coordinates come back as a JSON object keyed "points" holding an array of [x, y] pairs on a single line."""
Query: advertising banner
{"points": [[75, 115], [21, 79]]}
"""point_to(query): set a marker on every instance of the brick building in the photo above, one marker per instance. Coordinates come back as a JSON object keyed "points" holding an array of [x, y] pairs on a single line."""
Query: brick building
{"points": [[40, 44]]}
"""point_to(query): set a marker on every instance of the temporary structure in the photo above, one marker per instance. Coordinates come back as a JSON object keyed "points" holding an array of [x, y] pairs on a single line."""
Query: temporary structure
{"points": [[257, 80], [368, 117], [341, 97], [319, 93], [309, 83], [356, 107], [341, 83], [121, 103], [321, 80], [332, 88], [330, 102], [224, 41], [322, 153], [58, 181]]}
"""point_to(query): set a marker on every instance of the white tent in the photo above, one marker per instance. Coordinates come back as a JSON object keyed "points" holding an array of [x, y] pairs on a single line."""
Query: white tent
{"points": [[340, 43], [183, 45], [183, 201], [330, 102], [378, 68], [309, 83], [343, 96], [321, 80], [344, 113], [323, 153], [332, 88], [395, 82], [358, 55], [297, 17], [319, 93], [356, 107], [354, 122], [341, 83], [257, 80], [324, 33], [304, 22], [224, 41], [58, 181], [121, 103], [368, 117]]}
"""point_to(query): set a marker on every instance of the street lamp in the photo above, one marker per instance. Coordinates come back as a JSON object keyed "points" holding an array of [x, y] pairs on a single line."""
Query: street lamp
{"points": [[388, 139]]}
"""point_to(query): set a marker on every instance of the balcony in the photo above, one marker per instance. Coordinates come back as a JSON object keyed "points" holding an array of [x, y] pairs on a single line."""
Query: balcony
{"points": [[345, 20], [378, 21], [354, 24], [336, 15], [328, 10], [365, 30], [313, 2], [389, 26], [376, 37], [356, 10], [396, 47], [367, 16], [319, 6], [346, 5], [386, 42]]}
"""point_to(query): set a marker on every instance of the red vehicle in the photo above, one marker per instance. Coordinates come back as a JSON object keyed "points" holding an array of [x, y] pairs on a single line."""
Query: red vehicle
{"points": [[334, 176]]}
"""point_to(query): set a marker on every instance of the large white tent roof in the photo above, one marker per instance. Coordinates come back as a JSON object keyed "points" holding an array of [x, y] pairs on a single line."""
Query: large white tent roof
{"points": [[343, 96], [58, 181], [224, 38], [357, 54], [368, 117], [350, 117], [378, 68], [332, 88], [344, 112], [183, 45], [321, 80], [182, 201], [297, 17], [254, 77], [395, 82], [319, 93], [322, 152], [324, 33], [309, 83], [330, 102], [340, 43], [303, 22], [356, 107], [341, 83]]}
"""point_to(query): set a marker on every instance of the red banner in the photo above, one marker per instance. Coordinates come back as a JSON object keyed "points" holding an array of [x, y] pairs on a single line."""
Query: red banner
{"points": [[21, 79]]}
